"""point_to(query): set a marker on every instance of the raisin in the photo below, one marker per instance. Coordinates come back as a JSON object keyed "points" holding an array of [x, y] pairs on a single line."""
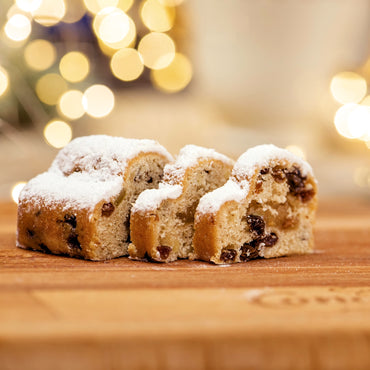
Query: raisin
{"points": [[164, 251], [278, 174], [73, 242], [248, 252], [306, 195], [295, 180], [107, 209], [30, 233], [228, 255], [44, 248], [270, 240], [38, 213], [256, 224], [143, 176], [264, 171], [71, 220], [126, 225]]}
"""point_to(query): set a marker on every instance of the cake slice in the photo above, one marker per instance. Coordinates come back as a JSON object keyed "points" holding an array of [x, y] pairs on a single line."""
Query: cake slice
{"points": [[80, 207], [162, 220], [266, 209]]}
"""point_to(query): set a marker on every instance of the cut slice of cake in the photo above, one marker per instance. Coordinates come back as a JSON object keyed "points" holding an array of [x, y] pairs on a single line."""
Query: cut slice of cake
{"points": [[266, 209], [80, 207], [162, 220]]}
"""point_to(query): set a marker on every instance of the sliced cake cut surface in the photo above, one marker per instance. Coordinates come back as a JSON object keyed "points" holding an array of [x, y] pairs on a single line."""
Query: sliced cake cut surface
{"points": [[162, 220], [266, 209], [80, 207]]}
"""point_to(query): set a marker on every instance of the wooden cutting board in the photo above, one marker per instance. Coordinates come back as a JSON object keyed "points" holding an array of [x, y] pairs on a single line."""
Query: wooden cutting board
{"points": [[299, 312]]}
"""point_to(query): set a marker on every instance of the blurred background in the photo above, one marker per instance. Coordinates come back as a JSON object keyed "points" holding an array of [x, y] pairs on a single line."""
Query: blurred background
{"points": [[223, 74]]}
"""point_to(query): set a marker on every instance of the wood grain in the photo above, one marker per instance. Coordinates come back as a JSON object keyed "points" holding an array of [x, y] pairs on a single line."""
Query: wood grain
{"points": [[299, 312]]}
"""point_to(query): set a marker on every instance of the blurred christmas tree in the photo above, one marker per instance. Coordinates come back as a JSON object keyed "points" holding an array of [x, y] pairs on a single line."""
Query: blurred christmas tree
{"points": [[61, 59]]}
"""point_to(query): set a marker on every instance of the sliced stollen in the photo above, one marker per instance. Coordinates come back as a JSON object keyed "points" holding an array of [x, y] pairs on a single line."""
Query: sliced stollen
{"points": [[80, 207], [162, 220], [266, 209]]}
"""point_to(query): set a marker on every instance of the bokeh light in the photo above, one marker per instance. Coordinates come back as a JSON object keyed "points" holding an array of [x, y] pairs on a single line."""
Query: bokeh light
{"points": [[50, 12], [50, 87], [95, 6], [28, 5], [341, 119], [126, 64], [74, 66], [16, 190], [14, 9], [70, 104], [98, 101], [359, 121], [297, 150], [175, 77], [74, 12], [156, 16], [40, 54], [111, 25], [58, 133], [125, 5], [4, 81], [157, 50], [18, 27], [348, 87]]}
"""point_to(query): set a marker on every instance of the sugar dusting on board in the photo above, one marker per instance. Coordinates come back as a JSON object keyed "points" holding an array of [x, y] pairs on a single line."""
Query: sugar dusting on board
{"points": [[89, 169], [237, 187], [188, 157]]}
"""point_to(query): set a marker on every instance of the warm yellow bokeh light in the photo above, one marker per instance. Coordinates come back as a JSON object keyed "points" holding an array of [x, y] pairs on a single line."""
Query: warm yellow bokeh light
{"points": [[58, 133], [125, 5], [95, 6], [4, 81], [40, 54], [128, 41], [14, 9], [98, 101], [341, 119], [16, 190], [359, 121], [175, 77], [28, 5], [18, 27], [111, 25], [157, 17], [126, 64], [50, 12], [50, 87], [70, 104], [74, 12], [348, 87], [297, 150], [366, 101], [157, 50], [74, 66], [171, 2]]}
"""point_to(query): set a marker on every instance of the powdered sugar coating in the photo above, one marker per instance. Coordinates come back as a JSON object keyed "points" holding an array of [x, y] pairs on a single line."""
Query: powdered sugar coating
{"points": [[212, 201], [188, 157], [103, 156], [152, 198], [89, 169], [261, 155], [238, 185]]}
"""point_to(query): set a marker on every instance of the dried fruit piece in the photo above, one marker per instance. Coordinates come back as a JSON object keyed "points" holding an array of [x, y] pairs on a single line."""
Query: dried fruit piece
{"points": [[164, 251], [256, 224], [71, 220], [107, 209], [296, 180], [306, 195], [259, 188], [264, 171], [228, 255], [248, 252], [270, 240], [73, 242]]}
